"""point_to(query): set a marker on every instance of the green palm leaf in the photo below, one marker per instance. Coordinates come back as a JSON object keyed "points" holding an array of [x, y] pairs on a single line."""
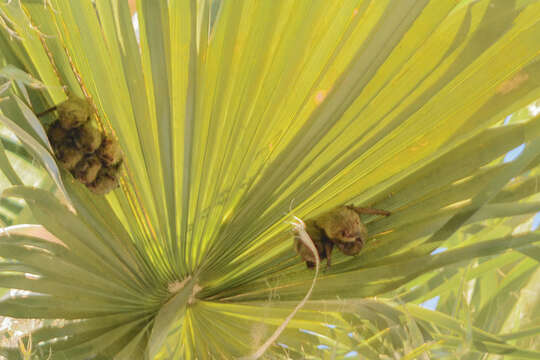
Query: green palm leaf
{"points": [[232, 117]]}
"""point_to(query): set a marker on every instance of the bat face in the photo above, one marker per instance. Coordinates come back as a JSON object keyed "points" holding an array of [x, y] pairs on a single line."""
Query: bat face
{"points": [[342, 224], [351, 248]]}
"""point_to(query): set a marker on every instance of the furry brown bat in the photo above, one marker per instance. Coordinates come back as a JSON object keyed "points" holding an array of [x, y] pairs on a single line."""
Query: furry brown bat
{"points": [[74, 112], [109, 152], [341, 227], [91, 156], [321, 242], [57, 134], [87, 169], [106, 180], [68, 155], [87, 138]]}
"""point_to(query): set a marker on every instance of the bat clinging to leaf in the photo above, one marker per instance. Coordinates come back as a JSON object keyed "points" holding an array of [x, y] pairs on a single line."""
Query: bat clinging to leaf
{"points": [[340, 227]]}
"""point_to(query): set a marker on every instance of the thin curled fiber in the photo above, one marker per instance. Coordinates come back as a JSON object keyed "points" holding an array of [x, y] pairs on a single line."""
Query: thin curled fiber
{"points": [[300, 228]]}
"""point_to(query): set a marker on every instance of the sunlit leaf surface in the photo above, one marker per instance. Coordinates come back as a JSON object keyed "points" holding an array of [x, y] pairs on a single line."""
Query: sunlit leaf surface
{"points": [[235, 116]]}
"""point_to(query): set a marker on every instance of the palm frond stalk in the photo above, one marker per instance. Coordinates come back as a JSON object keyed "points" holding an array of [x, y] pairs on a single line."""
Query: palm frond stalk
{"points": [[231, 117]]}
